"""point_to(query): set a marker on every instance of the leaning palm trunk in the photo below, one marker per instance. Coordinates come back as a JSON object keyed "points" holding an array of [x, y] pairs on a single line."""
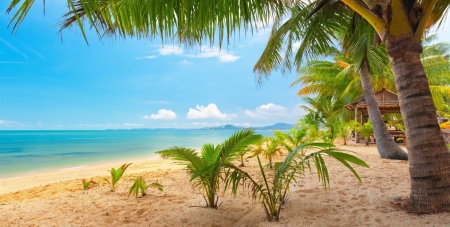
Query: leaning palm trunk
{"points": [[386, 145], [429, 159]]}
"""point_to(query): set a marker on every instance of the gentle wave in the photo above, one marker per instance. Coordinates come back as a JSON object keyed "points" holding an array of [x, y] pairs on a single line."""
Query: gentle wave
{"points": [[73, 168]]}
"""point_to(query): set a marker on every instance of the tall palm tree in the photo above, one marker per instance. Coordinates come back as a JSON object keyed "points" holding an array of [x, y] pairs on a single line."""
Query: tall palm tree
{"points": [[318, 24], [398, 23]]}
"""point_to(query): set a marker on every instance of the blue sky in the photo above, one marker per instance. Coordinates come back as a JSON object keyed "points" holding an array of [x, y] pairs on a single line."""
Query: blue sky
{"points": [[49, 83]]}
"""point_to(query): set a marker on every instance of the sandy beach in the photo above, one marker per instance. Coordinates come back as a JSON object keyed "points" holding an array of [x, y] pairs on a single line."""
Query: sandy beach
{"points": [[58, 199]]}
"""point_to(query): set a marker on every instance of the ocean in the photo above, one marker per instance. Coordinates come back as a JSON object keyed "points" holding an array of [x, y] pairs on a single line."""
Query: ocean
{"points": [[28, 152]]}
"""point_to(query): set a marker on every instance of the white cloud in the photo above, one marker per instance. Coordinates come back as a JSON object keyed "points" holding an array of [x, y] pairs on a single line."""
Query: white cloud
{"points": [[145, 57], [209, 111], [206, 124], [269, 110], [207, 52], [184, 62], [162, 114], [10, 123], [167, 50]]}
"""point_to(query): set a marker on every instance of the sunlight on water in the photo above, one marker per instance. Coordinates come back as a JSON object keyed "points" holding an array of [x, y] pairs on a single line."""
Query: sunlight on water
{"points": [[28, 151]]}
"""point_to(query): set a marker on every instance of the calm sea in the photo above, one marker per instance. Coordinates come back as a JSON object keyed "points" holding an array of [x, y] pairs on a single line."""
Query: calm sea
{"points": [[25, 152]]}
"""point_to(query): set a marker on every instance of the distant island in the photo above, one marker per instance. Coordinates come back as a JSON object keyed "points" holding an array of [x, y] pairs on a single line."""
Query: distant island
{"points": [[277, 126]]}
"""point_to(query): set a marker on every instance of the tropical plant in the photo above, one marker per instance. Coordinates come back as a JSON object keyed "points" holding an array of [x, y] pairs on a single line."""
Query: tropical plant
{"points": [[401, 24], [366, 131], [116, 174], [88, 184], [323, 114], [206, 169], [273, 187], [292, 139], [140, 185], [270, 151], [241, 155], [344, 130]]}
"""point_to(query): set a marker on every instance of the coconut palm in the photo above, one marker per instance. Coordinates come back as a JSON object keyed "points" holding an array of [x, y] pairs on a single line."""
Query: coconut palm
{"points": [[399, 23], [206, 169], [273, 187], [325, 112]]}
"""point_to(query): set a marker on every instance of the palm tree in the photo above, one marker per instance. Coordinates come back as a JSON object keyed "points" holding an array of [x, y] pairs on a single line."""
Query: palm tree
{"points": [[398, 23], [207, 168], [402, 32], [325, 112]]}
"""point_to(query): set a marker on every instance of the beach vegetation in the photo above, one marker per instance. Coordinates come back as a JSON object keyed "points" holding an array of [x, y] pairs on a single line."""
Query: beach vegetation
{"points": [[366, 131], [207, 167], [139, 185], [88, 184], [272, 188], [269, 148], [400, 24], [116, 174], [291, 139]]}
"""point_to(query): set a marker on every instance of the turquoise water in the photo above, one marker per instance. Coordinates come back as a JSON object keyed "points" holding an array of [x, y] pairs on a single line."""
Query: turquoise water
{"points": [[29, 151]]}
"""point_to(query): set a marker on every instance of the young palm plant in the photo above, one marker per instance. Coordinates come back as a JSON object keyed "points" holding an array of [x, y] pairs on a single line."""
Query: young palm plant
{"points": [[366, 131], [273, 187], [140, 185], [206, 169], [291, 139], [272, 149], [116, 174]]}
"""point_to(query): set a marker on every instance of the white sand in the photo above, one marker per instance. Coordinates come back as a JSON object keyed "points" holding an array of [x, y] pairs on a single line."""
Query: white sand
{"points": [[57, 198]]}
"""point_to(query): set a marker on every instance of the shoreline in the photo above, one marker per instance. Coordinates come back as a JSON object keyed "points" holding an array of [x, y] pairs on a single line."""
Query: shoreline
{"points": [[52, 175], [75, 166], [59, 199]]}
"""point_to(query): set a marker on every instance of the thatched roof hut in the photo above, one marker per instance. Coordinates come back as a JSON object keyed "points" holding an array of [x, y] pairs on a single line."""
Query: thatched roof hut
{"points": [[387, 102]]}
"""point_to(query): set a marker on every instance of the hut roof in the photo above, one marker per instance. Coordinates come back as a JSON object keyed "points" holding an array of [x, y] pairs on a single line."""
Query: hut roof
{"points": [[387, 102]]}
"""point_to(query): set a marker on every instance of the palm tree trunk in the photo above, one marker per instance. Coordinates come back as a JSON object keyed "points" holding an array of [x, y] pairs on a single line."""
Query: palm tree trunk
{"points": [[429, 158], [386, 145]]}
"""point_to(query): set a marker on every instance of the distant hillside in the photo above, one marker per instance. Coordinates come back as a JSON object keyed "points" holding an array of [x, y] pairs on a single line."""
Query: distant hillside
{"points": [[277, 126], [223, 127]]}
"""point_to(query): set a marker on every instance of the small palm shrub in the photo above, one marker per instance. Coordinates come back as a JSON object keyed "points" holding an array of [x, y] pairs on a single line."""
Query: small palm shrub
{"points": [[139, 185], [207, 167], [366, 131], [272, 149], [273, 187], [116, 174], [88, 184], [291, 139]]}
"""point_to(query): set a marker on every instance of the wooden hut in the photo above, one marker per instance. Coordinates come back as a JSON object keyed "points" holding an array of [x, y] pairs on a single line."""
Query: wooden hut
{"points": [[387, 102]]}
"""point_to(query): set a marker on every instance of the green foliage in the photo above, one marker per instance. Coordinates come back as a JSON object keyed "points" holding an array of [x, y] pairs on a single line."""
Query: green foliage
{"points": [[273, 187], [366, 131], [269, 148], [88, 184], [116, 174], [206, 169], [291, 139], [140, 185]]}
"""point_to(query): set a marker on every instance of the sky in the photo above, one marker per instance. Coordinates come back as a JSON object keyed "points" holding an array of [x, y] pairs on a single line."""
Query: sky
{"points": [[50, 81]]}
